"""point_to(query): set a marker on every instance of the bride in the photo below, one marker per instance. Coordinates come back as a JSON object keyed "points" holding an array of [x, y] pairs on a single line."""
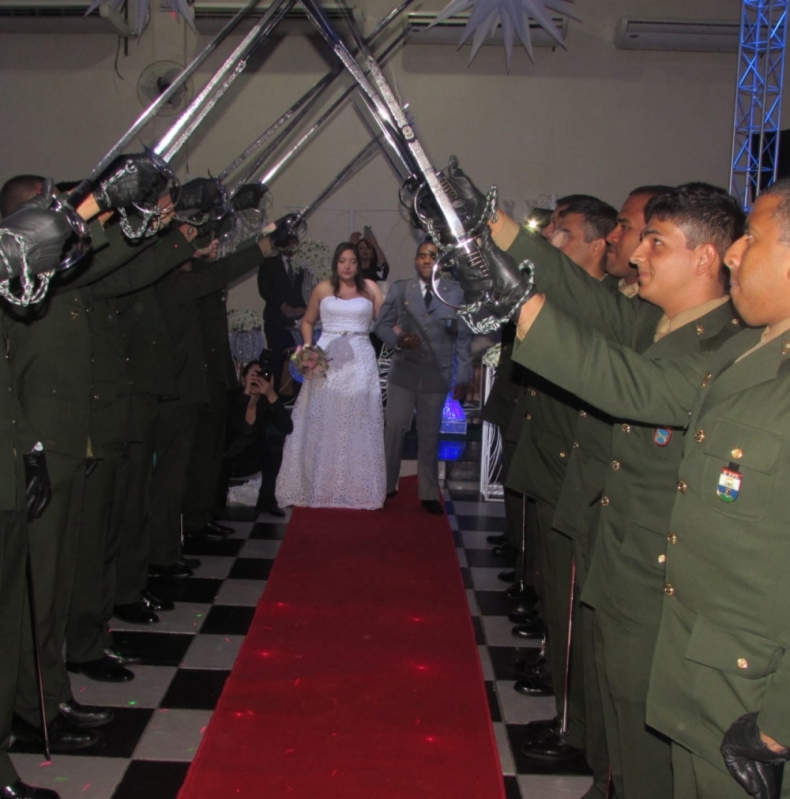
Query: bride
{"points": [[335, 456]]}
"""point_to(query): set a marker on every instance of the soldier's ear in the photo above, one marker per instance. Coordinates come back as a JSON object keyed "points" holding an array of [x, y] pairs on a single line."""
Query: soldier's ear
{"points": [[708, 259]]}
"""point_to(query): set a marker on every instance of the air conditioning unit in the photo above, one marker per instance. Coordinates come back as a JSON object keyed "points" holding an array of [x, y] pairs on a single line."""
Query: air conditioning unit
{"points": [[449, 31], [210, 18], [62, 16], [704, 36]]}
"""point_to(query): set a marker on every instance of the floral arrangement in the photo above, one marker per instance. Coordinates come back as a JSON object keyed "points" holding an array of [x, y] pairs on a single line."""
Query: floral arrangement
{"points": [[310, 361], [314, 256], [243, 320], [492, 355]]}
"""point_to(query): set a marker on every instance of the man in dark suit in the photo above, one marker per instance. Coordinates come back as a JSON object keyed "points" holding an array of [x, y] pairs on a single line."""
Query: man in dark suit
{"points": [[426, 335], [280, 285]]}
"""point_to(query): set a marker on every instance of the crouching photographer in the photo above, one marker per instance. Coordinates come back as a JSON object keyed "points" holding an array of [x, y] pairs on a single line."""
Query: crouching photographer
{"points": [[257, 425]]}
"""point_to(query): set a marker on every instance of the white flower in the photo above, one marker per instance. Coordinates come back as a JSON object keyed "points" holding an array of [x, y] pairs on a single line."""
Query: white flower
{"points": [[315, 257], [491, 357], [244, 320]]}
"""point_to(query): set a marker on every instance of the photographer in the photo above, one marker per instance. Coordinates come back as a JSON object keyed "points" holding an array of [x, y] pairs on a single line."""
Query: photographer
{"points": [[257, 425]]}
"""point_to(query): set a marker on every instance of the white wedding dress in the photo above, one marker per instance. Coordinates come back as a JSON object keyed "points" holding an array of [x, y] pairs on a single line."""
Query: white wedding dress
{"points": [[335, 456]]}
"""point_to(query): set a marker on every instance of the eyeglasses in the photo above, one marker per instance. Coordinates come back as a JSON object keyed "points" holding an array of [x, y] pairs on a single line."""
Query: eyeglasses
{"points": [[434, 256]]}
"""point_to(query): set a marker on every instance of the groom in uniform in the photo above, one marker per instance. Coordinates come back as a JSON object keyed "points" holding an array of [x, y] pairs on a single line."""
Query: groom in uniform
{"points": [[425, 334]]}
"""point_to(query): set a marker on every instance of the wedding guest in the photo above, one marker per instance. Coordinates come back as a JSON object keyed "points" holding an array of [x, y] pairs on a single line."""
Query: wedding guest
{"points": [[335, 455], [372, 261]]}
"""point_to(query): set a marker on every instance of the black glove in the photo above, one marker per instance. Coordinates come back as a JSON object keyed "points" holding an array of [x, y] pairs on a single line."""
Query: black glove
{"points": [[756, 767], [283, 231], [200, 194], [492, 278], [43, 236], [248, 196], [38, 488], [130, 180]]}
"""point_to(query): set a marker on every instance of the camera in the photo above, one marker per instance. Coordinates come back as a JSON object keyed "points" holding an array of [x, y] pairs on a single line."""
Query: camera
{"points": [[266, 374]]}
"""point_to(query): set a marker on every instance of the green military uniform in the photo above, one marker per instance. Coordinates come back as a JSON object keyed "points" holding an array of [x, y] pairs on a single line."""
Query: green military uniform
{"points": [[87, 633], [622, 479], [13, 546], [178, 295], [723, 630]]}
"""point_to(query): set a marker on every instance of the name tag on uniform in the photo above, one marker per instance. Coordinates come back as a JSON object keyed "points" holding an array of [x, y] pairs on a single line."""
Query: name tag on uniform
{"points": [[729, 486], [662, 436]]}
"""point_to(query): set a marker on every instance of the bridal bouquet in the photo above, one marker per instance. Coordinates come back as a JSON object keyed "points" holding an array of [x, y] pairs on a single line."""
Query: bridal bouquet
{"points": [[310, 361]]}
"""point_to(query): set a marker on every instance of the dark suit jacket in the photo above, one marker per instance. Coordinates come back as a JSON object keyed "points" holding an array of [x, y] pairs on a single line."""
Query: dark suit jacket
{"points": [[276, 290]]}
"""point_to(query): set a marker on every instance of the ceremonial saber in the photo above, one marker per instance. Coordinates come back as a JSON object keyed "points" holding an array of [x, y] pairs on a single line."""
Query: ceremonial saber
{"points": [[384, 151], [76, 196], [568, 642], [266, 179], [31, 598], [307, 99]]}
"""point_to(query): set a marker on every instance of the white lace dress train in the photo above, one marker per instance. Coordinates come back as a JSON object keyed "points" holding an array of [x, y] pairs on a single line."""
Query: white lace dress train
{"points": [[335, 456]]}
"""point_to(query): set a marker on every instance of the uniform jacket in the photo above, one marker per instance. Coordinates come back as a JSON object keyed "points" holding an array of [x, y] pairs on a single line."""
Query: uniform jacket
{"points": [[443, 335], [723, 646]]}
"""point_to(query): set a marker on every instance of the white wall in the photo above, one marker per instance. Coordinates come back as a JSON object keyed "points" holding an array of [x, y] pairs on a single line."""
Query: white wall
{"points": [[590, 119]]}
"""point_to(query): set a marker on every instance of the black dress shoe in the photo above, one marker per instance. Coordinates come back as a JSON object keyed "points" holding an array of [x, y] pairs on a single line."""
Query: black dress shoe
{"points": [[530, 630], [507, 577], [552, 747], [505, 551], [515, 592], [173, 570], [85, 716], [102, 670], [538, 684], [205, 533], [391, 494], [221, 529], [190, 563], [135, 613], [272, 508], [123, 655], [522, 616], [433, 506], [537, 666], [19, 790], [543, 728], [155, 603], [63, 737], [523, 605], [496, 539]]}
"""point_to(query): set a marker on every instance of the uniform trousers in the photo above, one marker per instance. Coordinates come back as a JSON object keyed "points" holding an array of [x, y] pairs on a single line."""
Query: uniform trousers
{"points": [[92, 602], [54, 540], [131, 570], [174, 436], [640, 757], [13, 549], [696, 778], [401, 404]]}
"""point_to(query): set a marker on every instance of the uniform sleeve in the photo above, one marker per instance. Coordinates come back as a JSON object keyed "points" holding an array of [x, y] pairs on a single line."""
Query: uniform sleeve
{"points": [[208, 278], [388, 317], [570, 288], [609, 376]]}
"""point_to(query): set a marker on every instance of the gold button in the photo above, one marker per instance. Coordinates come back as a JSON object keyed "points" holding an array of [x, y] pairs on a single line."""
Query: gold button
{"points": [[533, 393], [682, 487], [743, 663], [662, 558], [699, 436], [563, 455], [575, 443], [529, 417], [672, 538], [669, 589], [626, 428], [95, 396], [583, 414], [700, 329], [74, 314], [604, 501], [706, 380], [616, 465], [737, 453], [785, 347]]}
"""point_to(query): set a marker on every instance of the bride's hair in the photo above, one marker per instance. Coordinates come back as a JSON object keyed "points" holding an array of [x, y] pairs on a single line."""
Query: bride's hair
{"points": [[359, 281]]}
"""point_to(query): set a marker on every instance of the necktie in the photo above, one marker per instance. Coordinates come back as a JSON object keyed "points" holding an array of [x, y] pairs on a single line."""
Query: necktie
{"points": [[290, 270], [427, 295]]}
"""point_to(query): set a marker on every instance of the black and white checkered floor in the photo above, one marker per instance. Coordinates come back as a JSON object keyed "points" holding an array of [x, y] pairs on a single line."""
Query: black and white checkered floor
{"points": [[161, 714]]}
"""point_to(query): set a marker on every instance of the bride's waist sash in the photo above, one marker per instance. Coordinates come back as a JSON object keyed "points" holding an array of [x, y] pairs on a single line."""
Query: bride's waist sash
{"points": [[345, 332]]}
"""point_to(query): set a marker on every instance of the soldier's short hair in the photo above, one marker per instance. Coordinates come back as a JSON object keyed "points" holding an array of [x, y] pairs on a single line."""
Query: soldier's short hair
{"points": [[600, 218], [781, 189], [705, 213], [18, 190]]}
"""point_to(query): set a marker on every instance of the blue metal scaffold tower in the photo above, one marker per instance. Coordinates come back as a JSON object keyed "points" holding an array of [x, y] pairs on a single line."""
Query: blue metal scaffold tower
{"points": [[758, 99]]}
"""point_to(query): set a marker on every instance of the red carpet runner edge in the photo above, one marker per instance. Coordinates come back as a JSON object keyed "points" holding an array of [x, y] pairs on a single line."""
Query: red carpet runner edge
{"points": [[359, 677]]}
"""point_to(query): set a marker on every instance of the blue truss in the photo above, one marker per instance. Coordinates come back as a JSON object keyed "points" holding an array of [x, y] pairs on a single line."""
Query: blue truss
{"points": [[758, 99]]}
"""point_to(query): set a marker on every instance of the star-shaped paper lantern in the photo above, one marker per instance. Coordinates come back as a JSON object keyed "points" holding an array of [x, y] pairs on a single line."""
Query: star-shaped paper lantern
{"points": [[142, 9], [513, 15]]}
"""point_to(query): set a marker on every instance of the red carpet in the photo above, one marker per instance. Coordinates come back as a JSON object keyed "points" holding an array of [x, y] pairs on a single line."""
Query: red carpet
{"points": [[359, 677]]}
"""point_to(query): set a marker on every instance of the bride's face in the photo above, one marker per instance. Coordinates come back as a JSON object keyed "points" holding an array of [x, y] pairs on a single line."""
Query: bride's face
{"points": [[347, 265]]}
